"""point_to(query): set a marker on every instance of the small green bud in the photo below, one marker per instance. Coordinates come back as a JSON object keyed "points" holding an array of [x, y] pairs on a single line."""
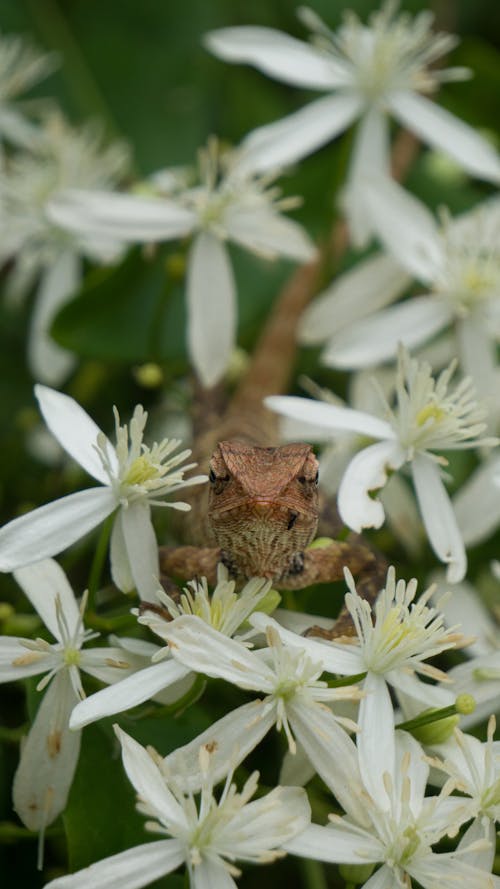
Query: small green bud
{"points": [[320, 543], [436, 732], [465, 704], [356, 873]]}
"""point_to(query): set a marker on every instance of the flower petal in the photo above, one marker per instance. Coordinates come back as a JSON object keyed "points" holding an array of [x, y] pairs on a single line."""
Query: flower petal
{"points": [[211, 308], [268, 233], [477, 503], [18, 662], [205, 650], [292, 138], [276, 54], [49, 362], [367, 472], [75, 431], [335, 658], [481, 858], [149, 782], [49, 757], [211, 873], [465, 608], [52, 528], [368, 287], [375, 739], [142, 548], [376, 339], [130, 218], [121, 571], [127, 692], [265, 823], [439, 128], [230, 739], [329, 416], [370, 158], [338, 844], [438, 517], [478, 355], [131, 869], [42, 582]]}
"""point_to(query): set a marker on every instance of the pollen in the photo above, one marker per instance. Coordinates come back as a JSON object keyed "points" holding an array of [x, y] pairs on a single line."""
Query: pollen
{"points": [[142, 470], [430, 411]]}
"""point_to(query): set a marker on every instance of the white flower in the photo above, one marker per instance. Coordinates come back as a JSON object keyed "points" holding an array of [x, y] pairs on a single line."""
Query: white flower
{"points": [[477, 502], [475, 768], [224, 610], [224, 205], [21, 67], [294, 699], [133, 477], [369, 72], [40, 248], [399, 831], [392, 647], [427, 418], [50, 752], [457, 261], [207, 837]]}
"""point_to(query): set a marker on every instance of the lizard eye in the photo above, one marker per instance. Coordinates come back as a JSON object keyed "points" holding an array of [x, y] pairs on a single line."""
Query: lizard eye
{"points": [[212, 476], [316, 478]]}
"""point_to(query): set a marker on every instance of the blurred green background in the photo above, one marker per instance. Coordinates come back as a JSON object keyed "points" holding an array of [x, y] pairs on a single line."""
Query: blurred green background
{"points": [[140, 68]]}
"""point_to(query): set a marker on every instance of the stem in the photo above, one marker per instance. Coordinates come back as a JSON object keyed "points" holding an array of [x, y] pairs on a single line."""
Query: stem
{"points": [[98, 561], [313, 875]]}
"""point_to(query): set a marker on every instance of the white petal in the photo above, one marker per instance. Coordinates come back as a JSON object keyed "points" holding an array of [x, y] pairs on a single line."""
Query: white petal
{"points": [[467, 679], [478, 354], [338, 844], [376, 339], [477, 503], [438, 517], [448, 871], [42, 582], [121, 571], [130, 218], [375, 738], [149, 782], [344, 660], [205, 650], [210, 874], [331, 752], [297, 622], [268, 233], [110, 664], [52, 528], [437, 127], [370, 157], [276, 54], [367, 472], [383, 878], [265, 823], [48, 361], [49, 757], [75, 431], [405, 226], [128, 870], [128, 692], [402, 514], [329, 416], [368, 287], [418, 771], [292, 138], [482, 858], [465, 607], [142, 548], [12, 650], [231, 739], [211, 308]]}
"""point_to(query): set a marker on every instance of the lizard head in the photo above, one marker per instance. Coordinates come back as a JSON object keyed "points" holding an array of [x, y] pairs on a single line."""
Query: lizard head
{"points": [[263, 506]]}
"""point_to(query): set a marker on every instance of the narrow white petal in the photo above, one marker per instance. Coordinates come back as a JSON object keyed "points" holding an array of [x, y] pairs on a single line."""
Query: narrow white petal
{"points": [[477, 830], [52, 528], [402, 514], [205, 650], [477, 503], [129, 218], [376, 339], [331, 752], [276, 54], [383, 878], [407, 745], [375, 738], [438, 517], [338, 844], [121, 570], [266, 823], [107, 663], [367, 472], [478, 354], [132, 869], [211, 308], [49, 757], [467, 678], [329, 416], [128, 692], [437, 127], [12, 655], [368, 287], [268, 233], [344, 660], [293, 137], [142, 548], [231, 739], [149, 782], [465, 607], [75, 431], [405, 226], [447, 872], [370, 157], [42, 582], [211, 873], [49, 362]]}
